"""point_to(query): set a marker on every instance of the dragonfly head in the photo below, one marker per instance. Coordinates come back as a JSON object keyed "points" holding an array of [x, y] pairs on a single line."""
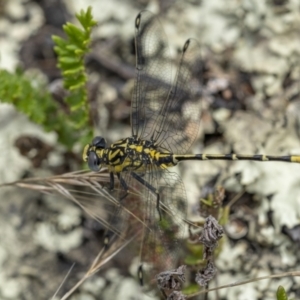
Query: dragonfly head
{"points": [[92, 153]]}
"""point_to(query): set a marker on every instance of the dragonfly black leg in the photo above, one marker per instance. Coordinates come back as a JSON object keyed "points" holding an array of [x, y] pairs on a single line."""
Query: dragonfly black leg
{"points": [[109, 233], [140, 274], [112, 181], [124, 186], [151, 188], [122, 182]]}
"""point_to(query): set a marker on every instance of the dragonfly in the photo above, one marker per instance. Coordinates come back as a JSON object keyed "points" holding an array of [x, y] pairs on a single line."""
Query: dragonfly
{"points": [[165, 119]]}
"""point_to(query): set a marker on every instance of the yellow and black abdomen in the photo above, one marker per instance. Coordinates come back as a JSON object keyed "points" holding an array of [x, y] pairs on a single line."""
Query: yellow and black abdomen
{"points": [[165, 160]]}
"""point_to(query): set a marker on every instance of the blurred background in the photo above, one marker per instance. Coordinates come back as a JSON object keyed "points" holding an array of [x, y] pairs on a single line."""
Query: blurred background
{"points": [[251, 74]]}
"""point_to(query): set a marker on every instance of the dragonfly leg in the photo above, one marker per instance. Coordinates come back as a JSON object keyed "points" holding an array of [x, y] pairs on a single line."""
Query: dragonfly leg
{"points": [[124, 186], [109, 234], [112, 181], [140, 274], [151, 188]]}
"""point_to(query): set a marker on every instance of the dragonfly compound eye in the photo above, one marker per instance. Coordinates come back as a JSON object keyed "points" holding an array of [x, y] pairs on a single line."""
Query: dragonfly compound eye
{"points": [[99, 142], [94, 161]]}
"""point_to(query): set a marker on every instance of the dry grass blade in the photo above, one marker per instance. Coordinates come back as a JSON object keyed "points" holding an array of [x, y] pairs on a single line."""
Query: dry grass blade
{"points": [[85, 188], [99, 261], [60, 286], [88, 190]]}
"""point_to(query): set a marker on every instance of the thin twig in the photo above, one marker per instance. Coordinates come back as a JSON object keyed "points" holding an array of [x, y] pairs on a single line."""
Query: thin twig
{"points": [[96, 266], [286, 274], [67, 275]]}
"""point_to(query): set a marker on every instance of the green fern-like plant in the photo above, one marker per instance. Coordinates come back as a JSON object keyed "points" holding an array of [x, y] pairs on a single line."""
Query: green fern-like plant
{"points": [[28, 97], [71, 52], [31, 97]]}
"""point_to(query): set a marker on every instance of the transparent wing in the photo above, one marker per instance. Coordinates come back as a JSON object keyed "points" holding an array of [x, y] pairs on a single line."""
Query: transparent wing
{"points": [[178, 123], [153, 74], [104, 205], [162, 240], [125, 217]]}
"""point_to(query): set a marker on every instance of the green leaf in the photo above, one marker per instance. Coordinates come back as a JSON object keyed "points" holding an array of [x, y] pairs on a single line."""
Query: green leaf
{"points": [[191, 289], [86, 19], [69, 60], [281, 294]]}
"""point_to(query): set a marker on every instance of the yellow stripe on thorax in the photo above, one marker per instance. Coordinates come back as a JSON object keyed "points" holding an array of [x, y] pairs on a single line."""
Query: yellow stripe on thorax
{"points": [[85, 151]]}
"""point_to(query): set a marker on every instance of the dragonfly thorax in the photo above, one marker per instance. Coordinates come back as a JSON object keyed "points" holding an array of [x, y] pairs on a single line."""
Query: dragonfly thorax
{"points": [[129, 154]]}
